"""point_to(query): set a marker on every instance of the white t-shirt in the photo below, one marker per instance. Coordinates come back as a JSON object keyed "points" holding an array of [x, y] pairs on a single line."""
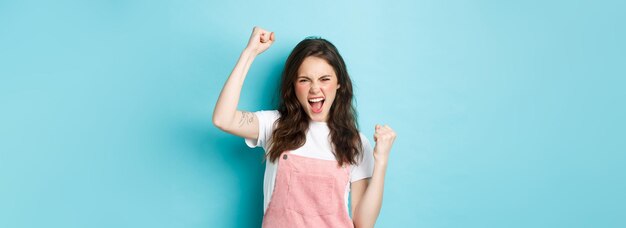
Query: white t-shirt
{"points": [[317, 145]]}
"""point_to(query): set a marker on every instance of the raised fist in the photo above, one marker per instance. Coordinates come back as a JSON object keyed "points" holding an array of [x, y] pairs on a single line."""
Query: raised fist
{"points": [[384, 137], [260, 40]]}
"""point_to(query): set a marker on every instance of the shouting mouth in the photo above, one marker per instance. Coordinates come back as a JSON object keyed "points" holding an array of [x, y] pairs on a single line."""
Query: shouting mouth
{"points": [[316, 104]]}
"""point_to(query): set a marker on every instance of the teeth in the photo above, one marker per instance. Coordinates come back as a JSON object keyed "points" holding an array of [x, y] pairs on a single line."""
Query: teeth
{"points": [[316, 99]]}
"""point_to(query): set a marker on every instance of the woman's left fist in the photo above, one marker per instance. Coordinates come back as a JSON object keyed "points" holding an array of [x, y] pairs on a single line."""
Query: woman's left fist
{"points": [[384, 137]]}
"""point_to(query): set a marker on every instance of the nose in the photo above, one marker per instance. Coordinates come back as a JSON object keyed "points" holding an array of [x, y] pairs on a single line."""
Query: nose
{"points": [[314, 88]]}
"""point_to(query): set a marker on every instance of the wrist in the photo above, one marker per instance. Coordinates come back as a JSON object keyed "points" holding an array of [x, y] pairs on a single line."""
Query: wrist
{"points": [[380, 162], [249, 52]]}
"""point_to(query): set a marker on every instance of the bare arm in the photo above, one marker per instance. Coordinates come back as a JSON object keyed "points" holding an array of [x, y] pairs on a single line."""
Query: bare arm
{"points": [[225, 115], [367, 194]]}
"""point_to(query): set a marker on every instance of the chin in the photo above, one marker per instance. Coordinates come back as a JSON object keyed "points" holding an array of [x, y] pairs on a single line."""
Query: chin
{"points": [[319, 117]]}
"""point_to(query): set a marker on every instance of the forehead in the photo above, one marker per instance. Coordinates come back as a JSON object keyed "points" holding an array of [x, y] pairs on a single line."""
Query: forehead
{"points": [[315, 67]]}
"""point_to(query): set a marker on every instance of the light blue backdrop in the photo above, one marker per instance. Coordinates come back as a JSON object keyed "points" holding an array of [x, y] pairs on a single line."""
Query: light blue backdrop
{"points": [[508, 113]]}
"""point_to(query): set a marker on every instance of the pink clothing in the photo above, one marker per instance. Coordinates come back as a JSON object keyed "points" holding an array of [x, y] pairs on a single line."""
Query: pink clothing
{"points": [[308, 192]]}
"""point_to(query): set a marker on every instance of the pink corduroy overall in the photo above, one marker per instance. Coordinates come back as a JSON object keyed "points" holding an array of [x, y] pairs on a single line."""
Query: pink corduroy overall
{"points": [[308, 192]]}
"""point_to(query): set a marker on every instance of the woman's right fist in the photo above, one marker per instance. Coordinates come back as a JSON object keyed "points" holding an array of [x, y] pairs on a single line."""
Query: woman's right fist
{"points": [[260, 40]]}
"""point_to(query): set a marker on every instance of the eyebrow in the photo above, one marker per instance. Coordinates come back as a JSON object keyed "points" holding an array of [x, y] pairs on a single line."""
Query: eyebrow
{"points": [[304, 76]]}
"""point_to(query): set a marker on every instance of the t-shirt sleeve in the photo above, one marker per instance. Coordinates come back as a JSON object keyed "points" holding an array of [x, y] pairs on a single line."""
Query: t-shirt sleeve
{"points": [[365, 168], [266, 126]]}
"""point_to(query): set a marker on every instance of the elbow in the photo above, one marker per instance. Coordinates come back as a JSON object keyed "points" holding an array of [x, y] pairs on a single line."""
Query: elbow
{"points": [[217, 125], [362, 223], [217, 122]]}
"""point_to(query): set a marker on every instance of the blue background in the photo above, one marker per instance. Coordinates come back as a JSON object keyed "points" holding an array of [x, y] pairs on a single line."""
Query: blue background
{"points": [[508, 114]]}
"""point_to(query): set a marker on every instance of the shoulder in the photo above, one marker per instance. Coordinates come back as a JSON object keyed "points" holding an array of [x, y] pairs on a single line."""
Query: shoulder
{"points": [[364, 140], [364, 167], [267, 114], [368, 150]]}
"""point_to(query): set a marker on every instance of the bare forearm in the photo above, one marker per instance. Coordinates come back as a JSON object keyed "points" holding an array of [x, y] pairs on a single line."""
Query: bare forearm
{"points": [[367, 211], [229, 97]]}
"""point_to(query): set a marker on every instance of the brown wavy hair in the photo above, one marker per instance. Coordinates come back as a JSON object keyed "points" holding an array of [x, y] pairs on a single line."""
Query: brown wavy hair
{"points": [[291, 127]]}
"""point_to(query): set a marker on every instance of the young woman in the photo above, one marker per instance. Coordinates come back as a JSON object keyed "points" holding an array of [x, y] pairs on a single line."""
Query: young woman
{"points": [[316, 154]]}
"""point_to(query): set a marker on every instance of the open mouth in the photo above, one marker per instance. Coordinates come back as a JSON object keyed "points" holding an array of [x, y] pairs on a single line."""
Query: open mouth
{"points": [[316, 104]]}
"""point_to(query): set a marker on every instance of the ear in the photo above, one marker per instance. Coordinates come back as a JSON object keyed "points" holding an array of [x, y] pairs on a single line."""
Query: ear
{"points": [[338, 86]]}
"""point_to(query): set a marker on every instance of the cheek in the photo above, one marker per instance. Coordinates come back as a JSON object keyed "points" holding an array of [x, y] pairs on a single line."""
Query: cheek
{"points": [[328, 88], [301, 91], [301, 88]]}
